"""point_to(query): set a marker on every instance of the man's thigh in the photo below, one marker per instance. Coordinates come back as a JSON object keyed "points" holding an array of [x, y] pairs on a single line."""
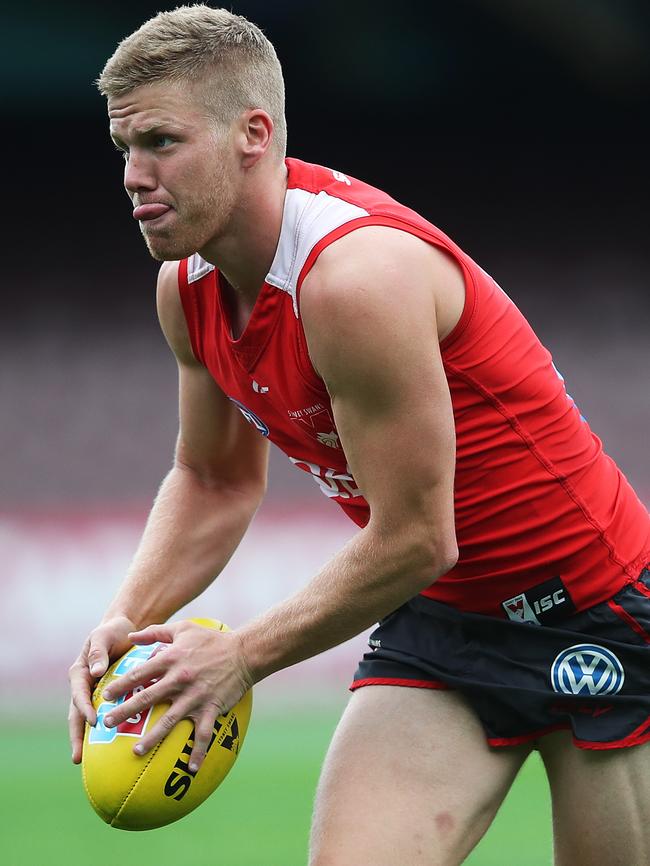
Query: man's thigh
{"points": [[601, 803], [409, 778]]}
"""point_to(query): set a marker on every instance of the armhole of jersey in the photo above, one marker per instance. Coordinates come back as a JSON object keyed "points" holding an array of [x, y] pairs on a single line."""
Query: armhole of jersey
{"points": [[378, 220], [190, 305]]}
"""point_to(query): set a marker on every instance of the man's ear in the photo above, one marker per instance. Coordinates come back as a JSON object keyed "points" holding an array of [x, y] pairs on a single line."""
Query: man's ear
{"points": [[255, 135]]}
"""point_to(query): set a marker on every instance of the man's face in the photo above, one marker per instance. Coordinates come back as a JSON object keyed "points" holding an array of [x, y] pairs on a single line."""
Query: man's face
{"points": [[180, 172]]}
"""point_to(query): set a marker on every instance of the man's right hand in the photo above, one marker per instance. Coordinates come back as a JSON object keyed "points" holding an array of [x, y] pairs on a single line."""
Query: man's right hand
{"points": [[105, 644]]}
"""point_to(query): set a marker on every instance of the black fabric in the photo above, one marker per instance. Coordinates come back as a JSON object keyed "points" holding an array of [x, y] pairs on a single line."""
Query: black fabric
{"points": [[591, 672]]}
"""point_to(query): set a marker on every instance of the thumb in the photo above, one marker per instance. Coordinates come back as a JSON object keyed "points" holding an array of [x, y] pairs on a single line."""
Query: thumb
{"points": [[152, 633], [97, 659]]}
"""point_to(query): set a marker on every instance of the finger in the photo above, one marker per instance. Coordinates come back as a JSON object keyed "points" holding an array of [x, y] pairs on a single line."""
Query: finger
{"points": [[142, 699], [164, 726], [80, 686], [76, 724], [140, 675], [152, 633], [203, 732], [97, 658]]}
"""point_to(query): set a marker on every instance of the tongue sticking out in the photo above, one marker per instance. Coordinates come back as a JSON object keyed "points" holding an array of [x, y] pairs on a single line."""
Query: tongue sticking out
{"points": [[149, 211]]}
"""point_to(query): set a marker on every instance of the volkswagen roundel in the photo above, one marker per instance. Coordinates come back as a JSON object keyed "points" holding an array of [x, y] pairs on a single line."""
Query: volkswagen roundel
{"points": [[587, 669]]}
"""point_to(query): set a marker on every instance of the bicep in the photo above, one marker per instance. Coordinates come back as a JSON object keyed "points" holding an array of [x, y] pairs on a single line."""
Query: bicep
{"points": [[214, 439]]}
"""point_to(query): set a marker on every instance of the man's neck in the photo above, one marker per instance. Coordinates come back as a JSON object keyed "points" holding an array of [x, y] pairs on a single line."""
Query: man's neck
{"points": [[244, 254]]}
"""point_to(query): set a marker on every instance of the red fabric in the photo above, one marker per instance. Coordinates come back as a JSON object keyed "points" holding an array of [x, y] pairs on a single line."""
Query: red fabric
{"points": [[636, 738], [535, 495], [640, 586], [629, 619], [194, 313], [393, 681]]}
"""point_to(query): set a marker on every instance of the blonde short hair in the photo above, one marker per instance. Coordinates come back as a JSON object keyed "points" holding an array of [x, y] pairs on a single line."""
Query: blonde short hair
{"points": [[190, 43]]}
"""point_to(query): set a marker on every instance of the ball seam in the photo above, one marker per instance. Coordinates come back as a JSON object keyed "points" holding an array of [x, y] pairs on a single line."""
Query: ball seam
{"points": [[150, 756]]}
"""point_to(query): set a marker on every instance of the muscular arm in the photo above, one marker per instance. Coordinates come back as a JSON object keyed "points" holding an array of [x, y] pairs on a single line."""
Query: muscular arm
{"points": [[202, 510], [207, 500], [369, 311]]}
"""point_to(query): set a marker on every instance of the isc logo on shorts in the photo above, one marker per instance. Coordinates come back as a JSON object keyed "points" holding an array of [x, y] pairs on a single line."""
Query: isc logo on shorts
{"points": [[543, 604], [587, 669]]}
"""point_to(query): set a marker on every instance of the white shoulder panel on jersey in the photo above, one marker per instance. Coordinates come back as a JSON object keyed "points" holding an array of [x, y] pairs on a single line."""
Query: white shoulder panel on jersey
{"points": [[197, 268], [307, 218]]}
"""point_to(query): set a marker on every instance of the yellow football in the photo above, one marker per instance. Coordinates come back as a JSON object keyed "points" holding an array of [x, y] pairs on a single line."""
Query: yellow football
{"points": [[134, 792]]}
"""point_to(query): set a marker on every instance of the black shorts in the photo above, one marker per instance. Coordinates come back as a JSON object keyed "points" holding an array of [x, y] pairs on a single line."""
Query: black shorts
{"points": [[589, 673]]}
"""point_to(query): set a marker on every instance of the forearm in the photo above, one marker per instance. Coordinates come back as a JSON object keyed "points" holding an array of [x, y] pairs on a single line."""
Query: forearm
{"points": [[364, 582], [191, 533]]}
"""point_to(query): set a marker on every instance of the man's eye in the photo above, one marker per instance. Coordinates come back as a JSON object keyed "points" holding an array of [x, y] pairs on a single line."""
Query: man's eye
{"points": [[161, 141]]}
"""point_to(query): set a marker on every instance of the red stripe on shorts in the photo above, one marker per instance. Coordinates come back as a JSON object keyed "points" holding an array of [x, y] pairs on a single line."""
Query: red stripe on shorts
{"points": [[629, 619], [636, 738], [642, 588], [394, 681]]}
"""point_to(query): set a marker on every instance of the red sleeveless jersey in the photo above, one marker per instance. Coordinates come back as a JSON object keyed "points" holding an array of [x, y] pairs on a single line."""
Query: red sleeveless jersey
{"points": [[537, 501]]}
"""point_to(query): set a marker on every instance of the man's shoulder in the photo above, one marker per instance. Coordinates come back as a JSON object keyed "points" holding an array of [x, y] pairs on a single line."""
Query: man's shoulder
{"points": [[320, 180], [396, 267], [167, 295], [326, 208], [373, 251], [170, 312]]}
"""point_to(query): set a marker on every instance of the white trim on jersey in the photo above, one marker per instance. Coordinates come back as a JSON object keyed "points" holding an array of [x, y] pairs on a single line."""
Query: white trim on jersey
{"points": [[307, 218], [197, 268]]}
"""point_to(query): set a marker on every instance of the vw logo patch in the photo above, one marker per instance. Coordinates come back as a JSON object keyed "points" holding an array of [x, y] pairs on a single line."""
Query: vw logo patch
{"points": [[587, 669]]}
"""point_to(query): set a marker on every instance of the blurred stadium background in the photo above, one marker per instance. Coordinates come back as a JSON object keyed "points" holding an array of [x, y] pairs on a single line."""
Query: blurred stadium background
{"points": [[516, 127]]}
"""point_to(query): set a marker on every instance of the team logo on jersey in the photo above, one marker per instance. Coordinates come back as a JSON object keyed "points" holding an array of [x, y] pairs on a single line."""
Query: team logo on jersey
{"points": [[587, 669], [330, 439], [318, 423], [543, 604], [251, 417], [308, 412]]}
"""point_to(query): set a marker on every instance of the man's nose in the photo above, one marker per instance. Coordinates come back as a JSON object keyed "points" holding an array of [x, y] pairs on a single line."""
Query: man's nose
{"points": [[138, 173]]}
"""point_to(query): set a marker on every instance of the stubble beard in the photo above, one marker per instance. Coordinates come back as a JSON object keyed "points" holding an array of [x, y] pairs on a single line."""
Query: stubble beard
{"points": [[196, 225]]}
